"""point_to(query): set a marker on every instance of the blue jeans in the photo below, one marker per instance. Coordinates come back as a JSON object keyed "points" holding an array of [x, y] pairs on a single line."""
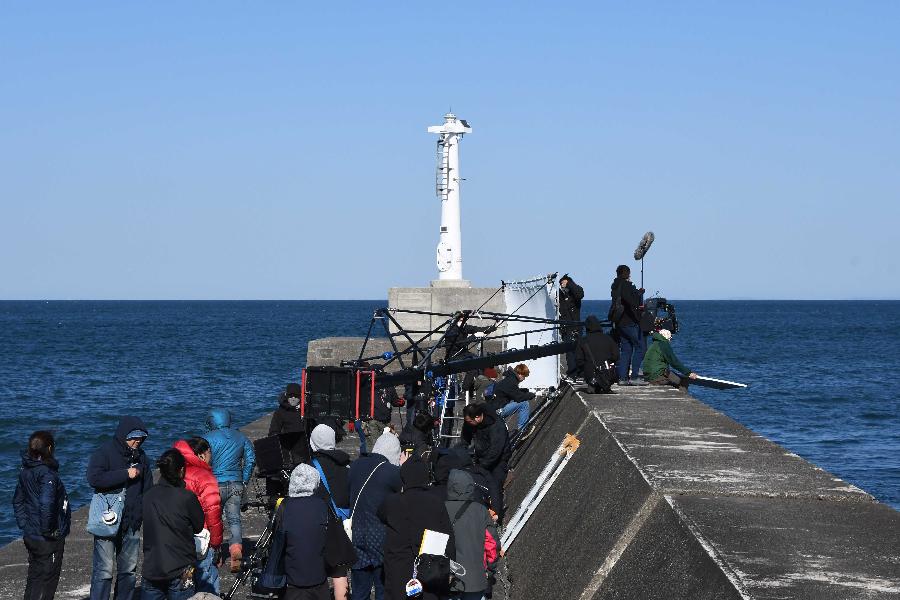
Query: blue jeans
{"points": [[206, 575], [631, 351], [362, 580], [523, 409], [166, 590], [121, 552], [230, 493]]}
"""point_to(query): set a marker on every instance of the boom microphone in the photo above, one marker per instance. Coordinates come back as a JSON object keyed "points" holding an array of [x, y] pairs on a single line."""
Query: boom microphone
{"points": [[644, 246]]}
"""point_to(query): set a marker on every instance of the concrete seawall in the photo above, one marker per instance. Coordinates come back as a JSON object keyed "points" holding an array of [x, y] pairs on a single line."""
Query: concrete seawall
{"points": [[667, 498]]}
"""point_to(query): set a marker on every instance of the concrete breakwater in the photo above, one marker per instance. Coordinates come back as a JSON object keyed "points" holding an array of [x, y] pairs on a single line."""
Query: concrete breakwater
{"points": [[665, 498]]}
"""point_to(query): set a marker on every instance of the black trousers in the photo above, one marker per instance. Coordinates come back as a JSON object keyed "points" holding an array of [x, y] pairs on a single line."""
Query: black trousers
{"points": [[498, 475], [44, 565]]}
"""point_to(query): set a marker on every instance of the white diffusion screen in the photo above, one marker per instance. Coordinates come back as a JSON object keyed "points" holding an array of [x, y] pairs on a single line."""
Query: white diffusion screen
{"points": [[537, 297]]}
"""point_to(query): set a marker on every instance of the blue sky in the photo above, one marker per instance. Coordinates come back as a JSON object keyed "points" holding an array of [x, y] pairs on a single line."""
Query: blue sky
{"points": [[278, 150]]}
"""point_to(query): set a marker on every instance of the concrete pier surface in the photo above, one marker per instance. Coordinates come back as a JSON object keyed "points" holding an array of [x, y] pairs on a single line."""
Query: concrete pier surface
{"points": [[665, 498]]}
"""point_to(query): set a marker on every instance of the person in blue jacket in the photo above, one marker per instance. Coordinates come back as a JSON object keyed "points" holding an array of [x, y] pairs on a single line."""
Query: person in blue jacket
{"points": [[232, 464], [118, 464], [43, 514]]}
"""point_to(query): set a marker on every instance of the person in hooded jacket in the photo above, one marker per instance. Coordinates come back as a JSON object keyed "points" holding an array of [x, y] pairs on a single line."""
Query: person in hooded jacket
{"points": [[406, 516], [372, 479], [173, 517], [119, 464], [199, 479], [570, 296], [625, 313], [474, 534], [303, 543], [595, 350], [287, 419], [458, 458], [232, 464], [487, 433], [333, 466], [42, 513]]}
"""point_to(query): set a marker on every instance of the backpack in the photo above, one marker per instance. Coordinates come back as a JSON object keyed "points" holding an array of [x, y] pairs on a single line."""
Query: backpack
{"points": [[616, 309], [604, 375]]}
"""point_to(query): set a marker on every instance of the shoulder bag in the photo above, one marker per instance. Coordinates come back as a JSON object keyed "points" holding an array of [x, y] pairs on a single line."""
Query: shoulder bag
{"points": [[348, 522], [105, 513]]}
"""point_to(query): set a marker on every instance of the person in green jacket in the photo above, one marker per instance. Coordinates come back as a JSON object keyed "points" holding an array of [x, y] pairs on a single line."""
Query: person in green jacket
{"points": [[659, 361]]}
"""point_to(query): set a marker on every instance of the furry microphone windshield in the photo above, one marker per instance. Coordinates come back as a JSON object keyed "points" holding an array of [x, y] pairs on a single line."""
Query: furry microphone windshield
{"points": [[645, 244]]}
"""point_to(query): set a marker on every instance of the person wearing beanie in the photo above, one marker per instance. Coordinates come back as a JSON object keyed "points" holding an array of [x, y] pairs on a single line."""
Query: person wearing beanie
{"points": [[406, 516], [388, 446], [659, 361], [287, 420], [373, 478]]}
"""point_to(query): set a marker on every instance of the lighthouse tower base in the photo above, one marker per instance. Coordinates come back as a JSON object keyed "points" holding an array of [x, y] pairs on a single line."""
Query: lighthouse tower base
{"points": [[443, 296], [451, 283]]}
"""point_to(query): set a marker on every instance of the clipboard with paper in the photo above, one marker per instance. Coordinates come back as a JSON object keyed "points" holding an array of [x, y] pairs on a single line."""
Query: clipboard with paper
{"points": [[434, 542]]}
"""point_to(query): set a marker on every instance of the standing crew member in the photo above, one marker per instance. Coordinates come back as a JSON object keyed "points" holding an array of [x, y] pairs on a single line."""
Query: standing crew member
{"points": [[232, 464], [120, 464], [199, 479], [173, 516], [570, 296], [487, 432], [625, 314], [43, 514]]}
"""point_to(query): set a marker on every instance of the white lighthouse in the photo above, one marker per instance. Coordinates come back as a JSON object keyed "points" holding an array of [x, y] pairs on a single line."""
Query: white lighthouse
{"points": [[449, 249]]}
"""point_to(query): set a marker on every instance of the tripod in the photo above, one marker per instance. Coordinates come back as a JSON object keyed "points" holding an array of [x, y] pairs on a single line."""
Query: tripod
{"points": [[254, 564]]}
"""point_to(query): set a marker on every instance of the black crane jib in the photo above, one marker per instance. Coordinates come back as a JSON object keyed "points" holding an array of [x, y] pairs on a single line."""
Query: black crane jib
{"points": [[411, 375]]}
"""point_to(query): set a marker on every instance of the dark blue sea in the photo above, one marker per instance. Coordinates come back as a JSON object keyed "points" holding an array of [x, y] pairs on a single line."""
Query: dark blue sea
{"points": [[823, 375]]}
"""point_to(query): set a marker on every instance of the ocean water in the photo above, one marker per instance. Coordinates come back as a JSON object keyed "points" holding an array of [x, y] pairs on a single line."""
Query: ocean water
{"points": [[823, 374]]}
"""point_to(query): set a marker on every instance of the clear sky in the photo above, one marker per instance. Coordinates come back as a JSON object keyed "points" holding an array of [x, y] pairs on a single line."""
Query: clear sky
{"points": [[278, 150]]}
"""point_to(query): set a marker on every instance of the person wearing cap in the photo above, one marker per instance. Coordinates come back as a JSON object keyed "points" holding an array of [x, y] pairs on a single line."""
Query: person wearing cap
{"points": [[119, 464], [232, 464], [659, 361]]}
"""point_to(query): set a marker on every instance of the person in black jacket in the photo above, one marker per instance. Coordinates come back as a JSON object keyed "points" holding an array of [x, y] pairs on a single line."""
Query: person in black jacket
{"points": [[43, 514], [300, 547], [286, 419], [570, 296], [625, 313], [596, 350], [487, 433], [509, 399], [120, 464], [372, 479], [406, 516], [172, 516]]}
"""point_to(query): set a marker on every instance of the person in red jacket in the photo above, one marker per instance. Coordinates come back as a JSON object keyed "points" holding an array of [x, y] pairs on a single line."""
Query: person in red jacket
{"points": [[199, 479]]}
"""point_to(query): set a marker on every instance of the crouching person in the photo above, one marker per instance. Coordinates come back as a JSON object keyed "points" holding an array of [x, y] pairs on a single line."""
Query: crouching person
{"points": [[660, 360], [172, 516]]}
